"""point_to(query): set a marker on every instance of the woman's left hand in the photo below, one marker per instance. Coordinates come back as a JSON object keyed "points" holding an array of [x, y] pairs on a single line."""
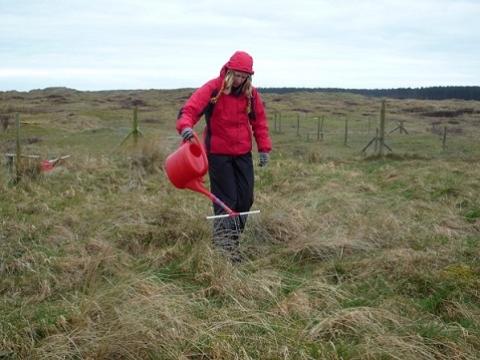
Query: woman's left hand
{"points": [[264, 157]]}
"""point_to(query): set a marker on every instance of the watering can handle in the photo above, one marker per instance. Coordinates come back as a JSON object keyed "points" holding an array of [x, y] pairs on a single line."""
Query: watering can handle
{"points": [[195, 137], [199, 143]]}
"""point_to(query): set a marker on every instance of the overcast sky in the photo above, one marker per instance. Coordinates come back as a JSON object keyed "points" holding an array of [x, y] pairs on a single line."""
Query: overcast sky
{"points": [[145, 44]]}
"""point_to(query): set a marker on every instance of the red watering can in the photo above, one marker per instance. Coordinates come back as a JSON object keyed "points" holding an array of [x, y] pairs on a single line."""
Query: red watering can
{"points": [[186, 167]]}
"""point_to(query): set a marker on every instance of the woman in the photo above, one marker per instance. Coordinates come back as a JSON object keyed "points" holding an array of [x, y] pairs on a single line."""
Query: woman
{"points": [[233, 112]]}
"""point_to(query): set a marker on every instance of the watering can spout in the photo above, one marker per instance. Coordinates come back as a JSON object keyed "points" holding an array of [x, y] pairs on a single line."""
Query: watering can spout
{"points": [[197, 185]]}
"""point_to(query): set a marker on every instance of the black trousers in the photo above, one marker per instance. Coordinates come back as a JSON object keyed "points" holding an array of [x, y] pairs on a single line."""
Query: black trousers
{"points": [[231, 180]]}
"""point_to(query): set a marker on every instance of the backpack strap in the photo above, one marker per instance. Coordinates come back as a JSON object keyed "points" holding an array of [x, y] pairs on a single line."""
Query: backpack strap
{"points": [[208, 110], [252, 115]]}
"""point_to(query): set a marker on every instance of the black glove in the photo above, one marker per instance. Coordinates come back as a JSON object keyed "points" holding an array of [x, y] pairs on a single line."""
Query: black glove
{"points": [[263, 161], [187, 134]]}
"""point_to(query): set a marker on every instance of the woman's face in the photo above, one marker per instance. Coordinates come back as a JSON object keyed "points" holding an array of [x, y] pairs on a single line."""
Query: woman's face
{"points": [[239, 77]]}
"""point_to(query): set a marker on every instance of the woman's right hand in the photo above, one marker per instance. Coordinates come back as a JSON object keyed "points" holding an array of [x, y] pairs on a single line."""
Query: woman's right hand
{"points": [[187, 134]]}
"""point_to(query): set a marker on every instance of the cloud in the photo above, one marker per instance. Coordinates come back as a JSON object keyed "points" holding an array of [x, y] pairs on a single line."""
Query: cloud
{"points": [[345, 43]]}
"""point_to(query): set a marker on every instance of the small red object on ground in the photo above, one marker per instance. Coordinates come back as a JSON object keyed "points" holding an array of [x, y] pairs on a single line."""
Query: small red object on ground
{"points": [[46, 165]]}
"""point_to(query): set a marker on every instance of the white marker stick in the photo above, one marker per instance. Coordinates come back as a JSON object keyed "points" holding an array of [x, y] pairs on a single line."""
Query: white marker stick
{"points": [[227, 215]]}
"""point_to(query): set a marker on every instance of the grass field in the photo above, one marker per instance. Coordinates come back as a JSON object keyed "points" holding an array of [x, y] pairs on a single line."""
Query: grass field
{"points": [[351, 257]]}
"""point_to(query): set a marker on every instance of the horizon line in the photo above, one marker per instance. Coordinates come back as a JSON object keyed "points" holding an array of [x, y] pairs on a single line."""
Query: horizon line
{"points": [[258, 87]]}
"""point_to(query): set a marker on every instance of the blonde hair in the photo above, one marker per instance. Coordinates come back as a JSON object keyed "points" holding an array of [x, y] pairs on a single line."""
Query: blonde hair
{"points": [[227, 89]]}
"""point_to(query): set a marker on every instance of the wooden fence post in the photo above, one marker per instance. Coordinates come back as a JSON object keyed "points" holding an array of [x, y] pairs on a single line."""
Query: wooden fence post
{"points": [[345, 139], [318, 129], [444, 139], [135, 132], [18, 162], [382, 130], [298, 124], [379, 140], [4, 120], [135, 125], [322, 128]]}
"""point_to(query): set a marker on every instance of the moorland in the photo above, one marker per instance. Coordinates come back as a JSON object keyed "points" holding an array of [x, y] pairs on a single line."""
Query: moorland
{"points": [[353, 255]]}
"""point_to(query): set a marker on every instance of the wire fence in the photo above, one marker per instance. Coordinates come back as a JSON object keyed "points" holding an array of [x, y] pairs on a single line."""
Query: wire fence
{"points": [[426, 137]]}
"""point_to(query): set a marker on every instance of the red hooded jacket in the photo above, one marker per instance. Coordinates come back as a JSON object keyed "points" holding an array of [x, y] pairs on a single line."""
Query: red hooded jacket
{"points": [[229, 127]]}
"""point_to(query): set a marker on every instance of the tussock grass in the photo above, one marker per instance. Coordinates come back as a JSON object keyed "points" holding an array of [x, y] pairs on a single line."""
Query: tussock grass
{"points": [[150, 158], [119, 323], [378, 333], [354, 323]]}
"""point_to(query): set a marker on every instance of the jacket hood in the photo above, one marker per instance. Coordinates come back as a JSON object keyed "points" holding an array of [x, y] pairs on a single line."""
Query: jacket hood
{"points": [[240, 61]]}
